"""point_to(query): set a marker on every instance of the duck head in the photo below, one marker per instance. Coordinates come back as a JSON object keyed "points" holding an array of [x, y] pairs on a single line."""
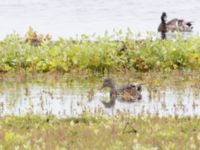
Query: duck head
{"points": [[108, 82], [164, 17]]}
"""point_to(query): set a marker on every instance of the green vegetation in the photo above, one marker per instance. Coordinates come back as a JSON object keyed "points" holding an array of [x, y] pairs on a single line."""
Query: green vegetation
{"points": [[27, 58], [39, 53], [87, 132]]}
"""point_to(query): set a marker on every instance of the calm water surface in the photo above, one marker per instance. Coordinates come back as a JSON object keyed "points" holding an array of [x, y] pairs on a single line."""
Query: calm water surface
{"points": [[65, 100], [70, 17]]}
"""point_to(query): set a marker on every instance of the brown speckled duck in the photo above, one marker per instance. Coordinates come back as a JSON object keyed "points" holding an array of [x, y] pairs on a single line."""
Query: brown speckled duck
{"points": [[128, 93]]}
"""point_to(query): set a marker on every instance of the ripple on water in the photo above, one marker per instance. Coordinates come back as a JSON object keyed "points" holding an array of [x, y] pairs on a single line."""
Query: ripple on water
{"points": [[66, 101]]}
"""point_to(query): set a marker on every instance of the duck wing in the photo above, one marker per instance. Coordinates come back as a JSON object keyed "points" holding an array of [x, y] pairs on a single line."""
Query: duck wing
{"points": [[129, 93], [172, 22], [179, 25], [172, 25]]}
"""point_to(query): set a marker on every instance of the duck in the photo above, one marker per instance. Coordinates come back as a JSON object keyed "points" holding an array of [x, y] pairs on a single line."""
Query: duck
{"points": [[128, 93], [173, 25]]}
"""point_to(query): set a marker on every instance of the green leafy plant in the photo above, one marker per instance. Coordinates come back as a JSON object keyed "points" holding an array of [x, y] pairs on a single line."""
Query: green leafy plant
{"points": [[39, 53]]}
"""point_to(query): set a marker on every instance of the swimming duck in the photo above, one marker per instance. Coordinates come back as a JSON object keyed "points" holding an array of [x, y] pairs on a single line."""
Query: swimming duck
{"points": [[128, 93], [173, 25]]}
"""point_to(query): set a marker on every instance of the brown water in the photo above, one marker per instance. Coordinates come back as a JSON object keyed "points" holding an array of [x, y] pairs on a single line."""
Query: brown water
{"points": [[75, 96], [70, 17]]}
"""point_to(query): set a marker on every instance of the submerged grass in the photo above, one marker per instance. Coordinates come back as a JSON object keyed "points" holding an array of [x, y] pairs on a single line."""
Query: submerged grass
{"points": [[87, 132], [38, 53]]}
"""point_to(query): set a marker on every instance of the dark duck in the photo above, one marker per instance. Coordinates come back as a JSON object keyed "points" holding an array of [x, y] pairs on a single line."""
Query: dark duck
{"points": [[173, 25], [128, 93]]}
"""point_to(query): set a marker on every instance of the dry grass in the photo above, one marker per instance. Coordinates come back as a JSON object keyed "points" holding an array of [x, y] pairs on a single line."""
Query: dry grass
{"points": [[87, 132]]}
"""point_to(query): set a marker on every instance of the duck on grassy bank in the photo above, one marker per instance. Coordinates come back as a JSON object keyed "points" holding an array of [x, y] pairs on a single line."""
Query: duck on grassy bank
{"points": [[173, 25], [128, 93]]}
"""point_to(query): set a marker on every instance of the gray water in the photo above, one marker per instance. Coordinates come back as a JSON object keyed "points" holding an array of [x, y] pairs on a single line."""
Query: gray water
{"points": [[67, 101], [68, 18]]}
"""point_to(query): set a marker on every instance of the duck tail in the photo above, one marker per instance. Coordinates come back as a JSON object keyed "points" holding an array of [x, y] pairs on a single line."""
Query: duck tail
{"points": [[189, 23]]}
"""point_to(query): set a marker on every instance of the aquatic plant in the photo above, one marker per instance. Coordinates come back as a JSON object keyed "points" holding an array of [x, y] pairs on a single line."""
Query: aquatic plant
{"points": [[39, 53]]}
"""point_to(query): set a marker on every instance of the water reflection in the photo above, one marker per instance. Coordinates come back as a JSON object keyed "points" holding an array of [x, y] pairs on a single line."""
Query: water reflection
{"points": [[65, 101]]}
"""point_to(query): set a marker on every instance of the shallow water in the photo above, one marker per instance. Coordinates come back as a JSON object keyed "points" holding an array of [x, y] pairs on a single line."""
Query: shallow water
{"points": [[70, 17], [66, 100]]}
